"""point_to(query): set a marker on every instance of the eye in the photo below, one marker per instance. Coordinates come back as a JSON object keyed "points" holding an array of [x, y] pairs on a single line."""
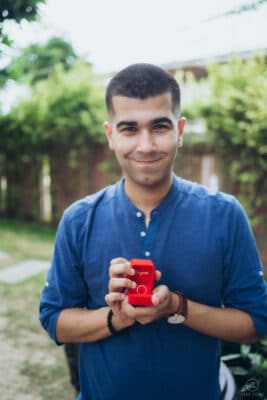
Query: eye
{"points": [[160, 127], [129, 130]]}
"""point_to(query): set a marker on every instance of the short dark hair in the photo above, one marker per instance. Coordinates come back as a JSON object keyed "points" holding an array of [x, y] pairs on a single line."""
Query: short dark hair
{"points": [[142, 81]]}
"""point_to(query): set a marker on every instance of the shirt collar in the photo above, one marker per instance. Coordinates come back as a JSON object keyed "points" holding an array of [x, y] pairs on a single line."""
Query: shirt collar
{"points": [[168, 200]]}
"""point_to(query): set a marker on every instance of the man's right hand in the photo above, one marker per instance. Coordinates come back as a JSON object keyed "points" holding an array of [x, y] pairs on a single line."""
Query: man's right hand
{"points": [[116, 299]]}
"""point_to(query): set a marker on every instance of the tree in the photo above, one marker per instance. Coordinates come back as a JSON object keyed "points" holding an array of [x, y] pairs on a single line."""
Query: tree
{"points": [[37, 61], [240, 9], [236, 118], [62, 119], [21, 166], [245, 7], [17, 10]]}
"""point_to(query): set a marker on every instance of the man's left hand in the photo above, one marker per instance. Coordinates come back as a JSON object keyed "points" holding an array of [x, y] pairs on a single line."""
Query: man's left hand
{"points": [[164, 304]]}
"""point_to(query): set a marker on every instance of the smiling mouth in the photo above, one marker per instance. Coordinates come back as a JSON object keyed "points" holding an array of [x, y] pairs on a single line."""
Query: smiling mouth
{"points": [[151, 161]]}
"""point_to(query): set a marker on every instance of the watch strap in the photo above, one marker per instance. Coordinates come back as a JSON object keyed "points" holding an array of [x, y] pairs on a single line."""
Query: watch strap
{"points": [[111, 328], [109, 323], [182, 309]]}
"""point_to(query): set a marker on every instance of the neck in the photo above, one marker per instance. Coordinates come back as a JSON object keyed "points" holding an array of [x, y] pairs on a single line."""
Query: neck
{"points": [[146, 198]]}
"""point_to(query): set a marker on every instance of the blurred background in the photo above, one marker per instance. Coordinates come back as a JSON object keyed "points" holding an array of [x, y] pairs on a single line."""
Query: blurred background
{"points": [[56, 58]]}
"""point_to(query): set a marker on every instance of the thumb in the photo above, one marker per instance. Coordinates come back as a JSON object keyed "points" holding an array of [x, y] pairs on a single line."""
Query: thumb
{"points": [[157, 296], [160, 295], [155, 299]]}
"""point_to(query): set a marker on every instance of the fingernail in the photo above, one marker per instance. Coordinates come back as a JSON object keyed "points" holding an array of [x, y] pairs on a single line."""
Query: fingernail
{"points": [[132, 271], [133, 284], [156, 299]]}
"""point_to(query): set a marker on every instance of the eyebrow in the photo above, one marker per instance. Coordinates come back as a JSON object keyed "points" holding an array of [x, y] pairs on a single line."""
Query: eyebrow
{"points": [[162, 120], [127, 123], [152, 122]]}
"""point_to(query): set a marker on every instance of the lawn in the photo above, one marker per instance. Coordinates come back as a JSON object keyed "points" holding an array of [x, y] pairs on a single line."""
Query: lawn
{"points": [[41, 369], [24, 240]]}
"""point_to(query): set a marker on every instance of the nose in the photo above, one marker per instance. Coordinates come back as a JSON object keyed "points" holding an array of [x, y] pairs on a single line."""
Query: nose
{"points": [[146, 141]]}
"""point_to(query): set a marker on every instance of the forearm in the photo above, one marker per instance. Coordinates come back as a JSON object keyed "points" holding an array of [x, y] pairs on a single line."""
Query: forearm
{"points": [[228, 324], [78, 325]]}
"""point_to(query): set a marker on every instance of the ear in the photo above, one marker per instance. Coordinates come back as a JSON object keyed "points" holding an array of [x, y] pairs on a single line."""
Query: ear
{"points": [[108, 131], [181, 125]]}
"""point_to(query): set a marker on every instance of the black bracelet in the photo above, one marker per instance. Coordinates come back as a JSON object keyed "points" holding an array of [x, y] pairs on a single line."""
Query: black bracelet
{"points": [[109, 323]]}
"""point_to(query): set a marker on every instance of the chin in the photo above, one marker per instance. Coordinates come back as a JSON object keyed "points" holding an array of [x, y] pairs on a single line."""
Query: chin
{"points": [[151, 181]]}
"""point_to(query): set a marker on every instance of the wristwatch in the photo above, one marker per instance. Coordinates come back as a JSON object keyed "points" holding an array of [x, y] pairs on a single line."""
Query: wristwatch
{"points": [[179, 316]]}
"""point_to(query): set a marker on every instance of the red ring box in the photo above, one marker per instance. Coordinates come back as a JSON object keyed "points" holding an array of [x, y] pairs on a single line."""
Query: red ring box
{"points": [[145, 280]]}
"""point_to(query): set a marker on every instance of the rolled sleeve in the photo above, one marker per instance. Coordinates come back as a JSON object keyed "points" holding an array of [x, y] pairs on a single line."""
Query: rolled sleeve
{"points": [[244, 284], [65, 286]]}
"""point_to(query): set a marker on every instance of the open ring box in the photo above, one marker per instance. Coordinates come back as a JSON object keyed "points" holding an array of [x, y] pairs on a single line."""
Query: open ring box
{"points": [[145, 280]]}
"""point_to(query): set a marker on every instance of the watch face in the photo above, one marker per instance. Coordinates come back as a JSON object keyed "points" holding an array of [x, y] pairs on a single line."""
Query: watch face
{"points": [[176, 319]]}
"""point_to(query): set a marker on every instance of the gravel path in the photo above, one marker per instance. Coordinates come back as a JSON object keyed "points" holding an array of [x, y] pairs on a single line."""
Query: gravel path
{"points": [[13, 385]]}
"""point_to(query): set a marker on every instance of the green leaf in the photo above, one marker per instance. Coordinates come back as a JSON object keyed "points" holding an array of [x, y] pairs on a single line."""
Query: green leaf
{"points": [[236, 117], [230, 357], [239, 371], [245, 349]]}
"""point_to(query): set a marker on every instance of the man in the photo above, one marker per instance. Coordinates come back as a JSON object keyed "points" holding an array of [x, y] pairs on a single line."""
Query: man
{"points": [[209, 279]]}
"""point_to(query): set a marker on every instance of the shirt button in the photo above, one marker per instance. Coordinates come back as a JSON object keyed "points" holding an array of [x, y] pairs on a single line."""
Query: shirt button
{"points": [[139, 214], [147, 253], [143, 234]]}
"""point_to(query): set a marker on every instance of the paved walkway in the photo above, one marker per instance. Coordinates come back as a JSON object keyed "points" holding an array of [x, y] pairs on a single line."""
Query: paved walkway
{"points": [[3, 256], [23, 270]]}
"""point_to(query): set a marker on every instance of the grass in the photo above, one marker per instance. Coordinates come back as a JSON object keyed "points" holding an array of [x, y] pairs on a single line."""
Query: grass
{"points": [[22, 307], [24, 240], [44, 363], [51, 380]]}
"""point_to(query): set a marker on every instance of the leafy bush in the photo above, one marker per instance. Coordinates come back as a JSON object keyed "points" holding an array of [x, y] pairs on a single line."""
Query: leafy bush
{"points": [[236, 119]]}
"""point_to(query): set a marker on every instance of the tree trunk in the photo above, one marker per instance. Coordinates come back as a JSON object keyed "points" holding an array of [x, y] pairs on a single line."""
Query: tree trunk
{"points": [[22, 188], [70, 177]]}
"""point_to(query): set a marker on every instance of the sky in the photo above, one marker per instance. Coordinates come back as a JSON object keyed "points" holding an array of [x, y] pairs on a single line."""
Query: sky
{"points": [[115, 33]]}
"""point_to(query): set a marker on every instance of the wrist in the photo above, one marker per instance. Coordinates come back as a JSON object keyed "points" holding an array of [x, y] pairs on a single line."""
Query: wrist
{"points": [[180, 312], [115, 325], [174, 304], [112, 327]]}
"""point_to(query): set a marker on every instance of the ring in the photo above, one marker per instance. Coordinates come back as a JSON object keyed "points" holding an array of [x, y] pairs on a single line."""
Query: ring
{"points": [[141, 289]]}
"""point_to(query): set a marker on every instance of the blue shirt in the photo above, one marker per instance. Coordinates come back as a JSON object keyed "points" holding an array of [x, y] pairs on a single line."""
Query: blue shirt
{"points": [[204, 247]]}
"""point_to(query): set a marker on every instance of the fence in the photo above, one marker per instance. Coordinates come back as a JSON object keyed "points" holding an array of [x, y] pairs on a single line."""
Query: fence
{"points": [[40, 189]]}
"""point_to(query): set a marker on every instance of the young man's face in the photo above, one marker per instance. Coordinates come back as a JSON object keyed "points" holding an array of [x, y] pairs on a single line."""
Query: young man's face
{"points": [[144, 135]]}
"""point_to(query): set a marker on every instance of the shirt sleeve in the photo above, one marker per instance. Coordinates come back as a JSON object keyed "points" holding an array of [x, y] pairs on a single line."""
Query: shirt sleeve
{"points": [[65, 286], [244, 285]]}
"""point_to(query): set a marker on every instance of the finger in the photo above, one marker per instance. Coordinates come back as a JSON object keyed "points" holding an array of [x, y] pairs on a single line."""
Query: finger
{"points": [[157, 275], [121, 269], [118, 284], [118, 260], [113, 297], [128, 309]]}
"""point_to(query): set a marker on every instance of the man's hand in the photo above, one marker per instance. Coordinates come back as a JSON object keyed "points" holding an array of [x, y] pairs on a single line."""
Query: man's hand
{"points": [[164, 304], [119, 269], [124, 313]]}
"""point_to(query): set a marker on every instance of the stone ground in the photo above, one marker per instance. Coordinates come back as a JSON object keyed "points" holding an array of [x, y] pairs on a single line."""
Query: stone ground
{"points": [[12, 358], [23, 270], [12, 382]]}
